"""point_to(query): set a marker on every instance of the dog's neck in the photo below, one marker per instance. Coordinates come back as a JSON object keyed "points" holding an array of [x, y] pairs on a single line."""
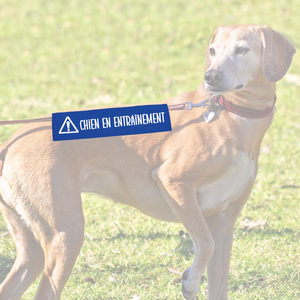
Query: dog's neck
{"points": [[254, 98]]}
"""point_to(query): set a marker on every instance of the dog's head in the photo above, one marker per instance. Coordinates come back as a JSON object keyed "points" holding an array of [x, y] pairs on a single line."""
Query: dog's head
{"points": [[239, 55]]}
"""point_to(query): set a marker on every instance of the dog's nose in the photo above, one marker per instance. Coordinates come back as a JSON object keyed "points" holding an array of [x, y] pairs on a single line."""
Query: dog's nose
{"points": [[213, 77]]}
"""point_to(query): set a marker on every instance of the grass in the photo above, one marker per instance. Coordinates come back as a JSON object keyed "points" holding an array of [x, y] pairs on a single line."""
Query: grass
{"points": [[61, 55]]}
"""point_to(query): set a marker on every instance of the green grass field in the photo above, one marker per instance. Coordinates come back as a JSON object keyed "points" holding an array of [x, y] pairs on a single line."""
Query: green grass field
{"points": [[62, 55]]}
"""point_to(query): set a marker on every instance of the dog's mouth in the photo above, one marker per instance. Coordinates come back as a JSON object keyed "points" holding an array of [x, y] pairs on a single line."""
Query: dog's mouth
{"points": [[239, 87], [220, 89]]}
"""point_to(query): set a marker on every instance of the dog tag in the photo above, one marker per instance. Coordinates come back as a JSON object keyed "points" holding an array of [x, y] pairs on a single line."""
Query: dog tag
{"points": [[208, 116]]}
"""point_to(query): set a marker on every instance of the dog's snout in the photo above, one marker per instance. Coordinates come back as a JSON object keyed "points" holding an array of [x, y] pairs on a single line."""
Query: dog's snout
{"points": [[213, 77]]}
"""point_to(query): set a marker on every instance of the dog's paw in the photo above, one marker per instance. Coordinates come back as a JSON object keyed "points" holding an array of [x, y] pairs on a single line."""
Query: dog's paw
{"points": [[190, 286]]}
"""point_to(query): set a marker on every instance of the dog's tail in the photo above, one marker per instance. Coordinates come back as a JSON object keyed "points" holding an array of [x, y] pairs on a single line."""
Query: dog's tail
{"points": [[3, 182], [3, 151], [1, 166], [8, 211]]}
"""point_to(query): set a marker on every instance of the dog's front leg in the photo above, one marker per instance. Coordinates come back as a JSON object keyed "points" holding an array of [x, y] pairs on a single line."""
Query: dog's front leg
{"points": [[218, 266], [181, 197], [221, 227]]}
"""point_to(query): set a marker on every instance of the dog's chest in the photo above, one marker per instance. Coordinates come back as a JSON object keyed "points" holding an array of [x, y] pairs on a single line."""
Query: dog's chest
{"points": [[229, 187]]}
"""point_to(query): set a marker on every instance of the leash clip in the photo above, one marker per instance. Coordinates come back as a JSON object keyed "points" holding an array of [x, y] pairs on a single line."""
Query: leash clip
{"points": [[188, 105], [210, 103]]}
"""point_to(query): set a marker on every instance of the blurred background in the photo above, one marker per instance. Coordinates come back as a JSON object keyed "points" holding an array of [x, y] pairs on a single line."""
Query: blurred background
{"points": [[62, 55]]}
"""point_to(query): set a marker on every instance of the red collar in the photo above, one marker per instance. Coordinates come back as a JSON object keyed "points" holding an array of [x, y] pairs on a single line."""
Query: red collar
{"points": [[243, 111]]}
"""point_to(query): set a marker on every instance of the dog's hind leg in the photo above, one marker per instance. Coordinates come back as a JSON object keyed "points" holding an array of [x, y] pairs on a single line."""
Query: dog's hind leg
{"points": [[61, 256], [62, 247], [182, 199], [30, 257]]}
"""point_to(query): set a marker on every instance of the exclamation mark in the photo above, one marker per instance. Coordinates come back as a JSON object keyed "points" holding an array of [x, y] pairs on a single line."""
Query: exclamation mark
{"points": [[68, 125]]}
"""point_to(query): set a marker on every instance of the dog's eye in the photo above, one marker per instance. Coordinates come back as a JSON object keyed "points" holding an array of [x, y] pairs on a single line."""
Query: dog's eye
{"points": [[241, 50], [212, 52]]}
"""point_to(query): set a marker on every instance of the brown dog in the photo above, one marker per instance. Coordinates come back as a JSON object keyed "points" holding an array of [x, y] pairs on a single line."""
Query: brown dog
{"points": [[199, 174]]}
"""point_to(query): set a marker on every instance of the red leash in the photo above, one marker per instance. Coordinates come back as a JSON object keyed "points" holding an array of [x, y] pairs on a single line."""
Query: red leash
{"points": [[214, 104], [11, 122]]}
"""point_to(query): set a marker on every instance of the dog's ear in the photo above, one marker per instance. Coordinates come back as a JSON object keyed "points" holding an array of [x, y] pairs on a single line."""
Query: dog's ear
{"points": [[208, 62], [277, 53]]}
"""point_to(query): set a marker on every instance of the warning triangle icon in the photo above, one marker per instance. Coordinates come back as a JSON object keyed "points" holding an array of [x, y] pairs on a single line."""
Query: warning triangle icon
{"points": [[68, 127]]}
